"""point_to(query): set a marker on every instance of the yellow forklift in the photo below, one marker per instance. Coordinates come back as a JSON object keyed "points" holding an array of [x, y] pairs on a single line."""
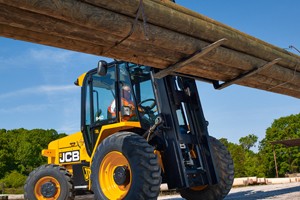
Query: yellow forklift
{"points": [[137, 131]]}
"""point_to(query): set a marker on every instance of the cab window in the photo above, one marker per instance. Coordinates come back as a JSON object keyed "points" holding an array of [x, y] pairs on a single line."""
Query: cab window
{"points": [[103, 96]]}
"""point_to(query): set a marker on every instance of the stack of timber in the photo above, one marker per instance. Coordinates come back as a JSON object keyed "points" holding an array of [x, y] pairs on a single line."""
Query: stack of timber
{"points": [[157, 33]]}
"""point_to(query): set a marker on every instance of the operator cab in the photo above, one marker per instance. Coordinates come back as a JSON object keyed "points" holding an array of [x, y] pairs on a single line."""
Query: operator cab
{"points": [[117, 92]]}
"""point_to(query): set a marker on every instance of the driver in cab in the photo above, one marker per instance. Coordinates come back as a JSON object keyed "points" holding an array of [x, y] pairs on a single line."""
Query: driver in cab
{"points": [[127, 105]]}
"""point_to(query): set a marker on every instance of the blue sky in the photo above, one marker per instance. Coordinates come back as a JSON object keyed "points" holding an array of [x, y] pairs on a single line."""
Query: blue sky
{"points": [[37, 89]]}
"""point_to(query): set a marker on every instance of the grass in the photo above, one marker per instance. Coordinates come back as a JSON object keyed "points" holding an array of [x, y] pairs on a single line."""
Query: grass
{"points": [[19, 190]]}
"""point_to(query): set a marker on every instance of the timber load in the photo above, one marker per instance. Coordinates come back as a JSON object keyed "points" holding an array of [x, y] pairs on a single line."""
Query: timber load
{"points": [[157, 33]]}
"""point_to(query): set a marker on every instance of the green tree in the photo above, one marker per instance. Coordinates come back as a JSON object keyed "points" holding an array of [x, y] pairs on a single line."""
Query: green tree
{"points": [[6, 153], [28, 154], [14, 179], [238, 156], [21, 149], [253, 165], [248, 141], [246, 162], [288, 159]]}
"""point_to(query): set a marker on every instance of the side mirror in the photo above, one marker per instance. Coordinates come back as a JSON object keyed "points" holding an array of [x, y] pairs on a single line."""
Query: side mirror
{"points": [[102, 68]]}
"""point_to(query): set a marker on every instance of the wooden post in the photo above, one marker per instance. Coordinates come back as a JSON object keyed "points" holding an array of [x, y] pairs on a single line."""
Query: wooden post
{"points": [[275, 161]]}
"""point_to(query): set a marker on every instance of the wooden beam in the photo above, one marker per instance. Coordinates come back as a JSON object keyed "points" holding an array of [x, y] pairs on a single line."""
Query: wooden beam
{"points": [[247, 74], [198, 54], [89, 28], [179, 19]]}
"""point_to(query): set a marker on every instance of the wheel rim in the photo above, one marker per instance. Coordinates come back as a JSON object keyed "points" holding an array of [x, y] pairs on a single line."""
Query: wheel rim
{"points": [[199, 188], [47, 188], [110, 165]]}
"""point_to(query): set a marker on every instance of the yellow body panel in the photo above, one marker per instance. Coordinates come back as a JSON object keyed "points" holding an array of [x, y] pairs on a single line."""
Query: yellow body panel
{"points": [[48, 153], [71, 149], [110, 129], [80, 79], [67, 151]]}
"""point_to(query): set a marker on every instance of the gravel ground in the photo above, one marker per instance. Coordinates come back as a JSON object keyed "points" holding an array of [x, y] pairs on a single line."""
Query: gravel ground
{"points": [[289, 191]]}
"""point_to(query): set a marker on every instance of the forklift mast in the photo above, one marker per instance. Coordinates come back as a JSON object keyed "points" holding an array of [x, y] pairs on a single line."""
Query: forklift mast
{"points": [[184, 133]]}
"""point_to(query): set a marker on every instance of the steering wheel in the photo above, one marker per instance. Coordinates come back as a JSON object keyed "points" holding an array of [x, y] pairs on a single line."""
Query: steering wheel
{"points": [[147, 108]]}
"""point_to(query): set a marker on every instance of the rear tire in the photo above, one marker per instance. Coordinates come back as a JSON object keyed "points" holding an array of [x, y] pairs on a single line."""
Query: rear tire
{"points": [[49, 182], [224, 165], [125, 167]]}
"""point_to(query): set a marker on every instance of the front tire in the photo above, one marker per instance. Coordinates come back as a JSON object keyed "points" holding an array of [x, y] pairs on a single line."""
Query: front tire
{"points": [[49, 182], [125, 167], [224, 165]]}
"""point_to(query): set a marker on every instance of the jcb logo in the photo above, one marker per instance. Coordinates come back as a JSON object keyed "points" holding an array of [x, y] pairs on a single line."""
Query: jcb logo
{"points": [[86, 173], [69, 156]]}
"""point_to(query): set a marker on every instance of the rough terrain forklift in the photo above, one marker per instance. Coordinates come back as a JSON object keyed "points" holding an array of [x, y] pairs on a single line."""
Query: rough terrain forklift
{"points": [[126, 150]]}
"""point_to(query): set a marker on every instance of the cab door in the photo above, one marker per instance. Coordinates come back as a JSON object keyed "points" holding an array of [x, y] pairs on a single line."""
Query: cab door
{"points": [[98, 95]]}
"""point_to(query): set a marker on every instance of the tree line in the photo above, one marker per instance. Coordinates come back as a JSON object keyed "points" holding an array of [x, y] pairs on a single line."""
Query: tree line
{"points": [[20, 151], [261, 164]]}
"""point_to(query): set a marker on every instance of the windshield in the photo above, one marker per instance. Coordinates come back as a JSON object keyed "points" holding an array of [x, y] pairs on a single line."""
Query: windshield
{"points": [[143, 90]]}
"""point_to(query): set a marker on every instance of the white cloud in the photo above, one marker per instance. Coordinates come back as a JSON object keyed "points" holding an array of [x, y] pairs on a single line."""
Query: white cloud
{"points": [[9, 62], [48, 89], [37, 57], [70, 116], [25, 108], [59, 88], [46, 55]]}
